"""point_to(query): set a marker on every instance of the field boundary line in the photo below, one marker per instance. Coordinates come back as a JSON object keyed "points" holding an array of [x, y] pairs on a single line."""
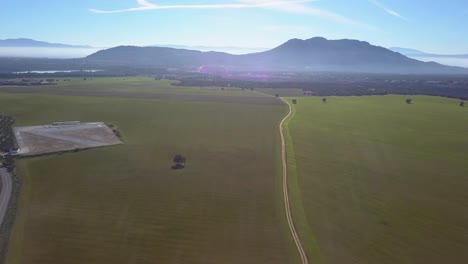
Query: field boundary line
{"points": [[287, 205]]}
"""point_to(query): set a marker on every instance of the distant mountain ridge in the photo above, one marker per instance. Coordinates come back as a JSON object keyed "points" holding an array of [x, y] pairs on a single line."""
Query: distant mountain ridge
{"points": [[31, 43], [315, 54], [406, 51], [418, 53], [231, 50]]}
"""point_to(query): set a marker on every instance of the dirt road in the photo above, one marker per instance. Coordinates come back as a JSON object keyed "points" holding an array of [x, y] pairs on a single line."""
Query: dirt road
{"points": [[5, 192], [287, 206]]}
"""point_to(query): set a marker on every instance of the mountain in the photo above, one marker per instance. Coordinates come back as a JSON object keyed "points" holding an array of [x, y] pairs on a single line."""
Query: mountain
{"points": [[418, 53], [406, 51], [315, 54], [30, 43], [156, 56], [231, 50]]}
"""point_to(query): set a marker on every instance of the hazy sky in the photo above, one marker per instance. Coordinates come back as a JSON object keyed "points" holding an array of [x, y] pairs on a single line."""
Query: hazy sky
{"points": [[431, 26]]}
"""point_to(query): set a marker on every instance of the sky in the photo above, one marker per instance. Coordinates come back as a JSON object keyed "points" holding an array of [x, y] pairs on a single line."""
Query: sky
{"points": [[430, 26]]}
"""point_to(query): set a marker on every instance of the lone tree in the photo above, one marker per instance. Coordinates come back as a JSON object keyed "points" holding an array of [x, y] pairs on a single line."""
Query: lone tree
{"points": [[409, 100], [179, 162], [324, 100], [277, 95], [462, 104], [294, 101]]}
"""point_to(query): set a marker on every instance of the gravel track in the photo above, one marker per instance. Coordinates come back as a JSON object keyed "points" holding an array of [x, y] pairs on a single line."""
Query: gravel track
{"points": [[287, 206]]}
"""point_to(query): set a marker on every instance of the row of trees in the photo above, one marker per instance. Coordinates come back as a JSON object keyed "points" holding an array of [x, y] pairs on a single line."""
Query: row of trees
{"points": [[357, 87], [6, 133], [408, 101]]}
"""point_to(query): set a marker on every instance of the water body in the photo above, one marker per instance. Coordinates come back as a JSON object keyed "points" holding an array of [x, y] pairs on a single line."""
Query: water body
{"points": [[58, 71]]}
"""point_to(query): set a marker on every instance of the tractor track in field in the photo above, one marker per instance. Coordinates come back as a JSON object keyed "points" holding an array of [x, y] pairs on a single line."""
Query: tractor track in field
{"points": [[287, 205]]}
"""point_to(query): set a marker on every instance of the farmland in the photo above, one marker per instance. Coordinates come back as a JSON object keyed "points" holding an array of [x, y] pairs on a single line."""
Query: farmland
{"points": [[135, 87], [371, 179], [376, 180], [124, 203]]}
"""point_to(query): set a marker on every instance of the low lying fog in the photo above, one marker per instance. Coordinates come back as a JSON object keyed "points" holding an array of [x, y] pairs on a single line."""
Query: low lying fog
{"points": [[56, 53], [461, 62]]}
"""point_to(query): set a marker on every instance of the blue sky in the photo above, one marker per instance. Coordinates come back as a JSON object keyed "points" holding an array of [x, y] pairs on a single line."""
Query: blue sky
{"points": [[431, 26]]}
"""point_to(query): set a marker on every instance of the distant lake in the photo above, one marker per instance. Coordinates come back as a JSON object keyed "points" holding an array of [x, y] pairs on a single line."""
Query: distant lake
{"points": [[58, 71], [461, 62]]}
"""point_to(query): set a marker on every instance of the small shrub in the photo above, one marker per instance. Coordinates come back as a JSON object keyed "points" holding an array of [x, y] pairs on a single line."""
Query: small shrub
{"points": [[179, 162], [177, 167]]}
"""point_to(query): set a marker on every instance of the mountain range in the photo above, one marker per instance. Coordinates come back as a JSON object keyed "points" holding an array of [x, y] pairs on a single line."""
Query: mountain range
{"points": [[418, 53], [231, 50], [31, 43], [315, 54]]}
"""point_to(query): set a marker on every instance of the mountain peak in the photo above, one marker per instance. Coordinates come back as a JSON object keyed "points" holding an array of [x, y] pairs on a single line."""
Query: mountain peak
{"points": [[323, 43], [316, 39]]}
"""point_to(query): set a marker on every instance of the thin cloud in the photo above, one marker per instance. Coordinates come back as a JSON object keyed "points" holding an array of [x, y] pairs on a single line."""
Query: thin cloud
{"points": [[243, 4], [388, 10], [297, 7], [290, 6]]}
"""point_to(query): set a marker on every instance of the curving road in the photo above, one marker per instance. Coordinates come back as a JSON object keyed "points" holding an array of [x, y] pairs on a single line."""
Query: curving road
{"points": [[5, 192], [287, 206]]}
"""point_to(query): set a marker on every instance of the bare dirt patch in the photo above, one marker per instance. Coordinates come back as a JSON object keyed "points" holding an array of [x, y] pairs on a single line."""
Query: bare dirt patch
{"points": [[38, 140]]}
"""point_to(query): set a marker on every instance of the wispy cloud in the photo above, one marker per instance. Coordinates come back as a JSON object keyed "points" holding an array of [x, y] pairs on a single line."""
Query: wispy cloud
{"points": [[146, 5], [387, 9], [290, 6], [301, 8]]}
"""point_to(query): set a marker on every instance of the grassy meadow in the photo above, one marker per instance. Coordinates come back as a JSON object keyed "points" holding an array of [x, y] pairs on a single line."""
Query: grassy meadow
{"points": [[372, 179], [124, 204], [133, 87], [376, 180]]}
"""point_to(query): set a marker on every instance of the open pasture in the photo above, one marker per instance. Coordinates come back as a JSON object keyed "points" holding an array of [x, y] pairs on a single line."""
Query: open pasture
{"points": [[124, 204], [139, 88], [377, 180]]}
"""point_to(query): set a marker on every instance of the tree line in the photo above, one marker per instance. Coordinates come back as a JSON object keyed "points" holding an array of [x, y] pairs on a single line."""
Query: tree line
{"points": [[339, 88]]}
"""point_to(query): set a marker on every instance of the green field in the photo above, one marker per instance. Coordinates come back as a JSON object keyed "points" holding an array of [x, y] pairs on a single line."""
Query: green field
{"points": [[375, 180], [124, 204], [372, 179], [133, 87]]}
